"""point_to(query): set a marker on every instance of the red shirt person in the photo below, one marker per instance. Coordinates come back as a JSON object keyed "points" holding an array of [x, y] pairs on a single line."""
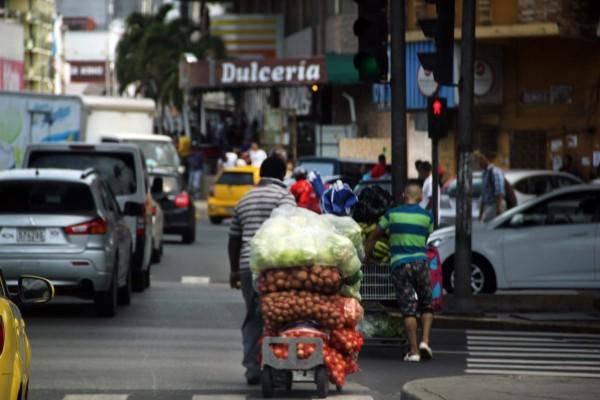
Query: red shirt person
{"points": [[379, 169], [304, 193]]}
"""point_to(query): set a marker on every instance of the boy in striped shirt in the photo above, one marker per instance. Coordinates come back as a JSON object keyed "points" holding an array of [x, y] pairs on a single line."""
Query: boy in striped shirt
{"points": [[408, 227]]}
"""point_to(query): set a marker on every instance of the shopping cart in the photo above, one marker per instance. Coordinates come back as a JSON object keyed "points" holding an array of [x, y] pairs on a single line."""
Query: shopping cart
{"points": [[280, 371], [377, 283]]}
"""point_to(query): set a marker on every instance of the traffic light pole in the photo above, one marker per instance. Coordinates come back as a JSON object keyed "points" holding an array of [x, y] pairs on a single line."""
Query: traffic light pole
{"points": [[398, 86], [462, 259], [435, 161]]}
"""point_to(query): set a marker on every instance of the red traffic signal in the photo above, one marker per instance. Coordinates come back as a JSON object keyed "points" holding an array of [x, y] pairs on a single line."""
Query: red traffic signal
{"points": [[437, 107], [437, 117]]}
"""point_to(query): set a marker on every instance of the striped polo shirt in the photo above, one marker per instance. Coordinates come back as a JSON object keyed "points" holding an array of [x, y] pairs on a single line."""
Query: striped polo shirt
{"points": [[408, 227], [254, 209]]}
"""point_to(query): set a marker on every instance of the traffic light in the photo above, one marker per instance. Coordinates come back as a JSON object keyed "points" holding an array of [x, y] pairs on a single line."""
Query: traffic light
{"points": [[371, 28], [437, 117], [441, 29]]}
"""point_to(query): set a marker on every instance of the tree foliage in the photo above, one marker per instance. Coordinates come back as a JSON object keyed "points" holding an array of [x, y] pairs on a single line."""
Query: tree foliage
{"points": [[149, 52]]}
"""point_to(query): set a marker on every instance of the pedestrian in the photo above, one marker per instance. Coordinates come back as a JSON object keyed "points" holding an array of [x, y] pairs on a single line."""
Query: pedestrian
{"points": [[408, 227], [379, 169], [256, 154], [493, 189], [303, 191], [249, 214], [420, 177], [569, 166], [195, 165], [427, 189]]}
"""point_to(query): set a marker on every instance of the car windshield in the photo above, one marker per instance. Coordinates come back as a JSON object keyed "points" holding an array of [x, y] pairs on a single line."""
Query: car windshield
{"points": [[118, 169], [323, 168], [236, 178], [157, 154], [45, 197], [170, 183], [385, 185]]}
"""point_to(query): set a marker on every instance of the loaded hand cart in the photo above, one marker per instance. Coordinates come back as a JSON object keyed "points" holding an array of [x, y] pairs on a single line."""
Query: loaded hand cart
{"points": [[279, 372]]}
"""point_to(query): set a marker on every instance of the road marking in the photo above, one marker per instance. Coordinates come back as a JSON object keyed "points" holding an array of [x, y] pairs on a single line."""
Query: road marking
{"points": [[532, 349], [536, 367], [534, 339], [471, 332], [332, 395], [195, 280], [536, 355], [521, 361], [528, 372], [531, 344], [96, 397]]}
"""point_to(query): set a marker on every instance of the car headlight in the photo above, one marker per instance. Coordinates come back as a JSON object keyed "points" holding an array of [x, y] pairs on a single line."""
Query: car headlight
{"points": [[436, 242]]}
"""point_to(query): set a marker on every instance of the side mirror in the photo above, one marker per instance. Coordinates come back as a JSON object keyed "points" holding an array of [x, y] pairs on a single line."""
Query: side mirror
{"points": [[517, 220], [132, 208], [35, 290], [157, 186]]}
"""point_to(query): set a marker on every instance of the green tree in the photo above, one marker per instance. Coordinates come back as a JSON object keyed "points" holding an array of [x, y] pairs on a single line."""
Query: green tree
{"points": [[149, 52]]}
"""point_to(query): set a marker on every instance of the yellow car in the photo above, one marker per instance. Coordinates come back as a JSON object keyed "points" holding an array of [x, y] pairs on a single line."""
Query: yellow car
{"points": [[231, 185], [15, 351]]}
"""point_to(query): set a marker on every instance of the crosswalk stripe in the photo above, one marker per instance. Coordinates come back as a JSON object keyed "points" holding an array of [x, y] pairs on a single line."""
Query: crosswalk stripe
{"points": [[195, 280], [528, 372], [521, 361], [332, 395], [574, 350], [537, 355], [534, 339], [472, 332], [532, 344], [96, 397], [536, 367]]}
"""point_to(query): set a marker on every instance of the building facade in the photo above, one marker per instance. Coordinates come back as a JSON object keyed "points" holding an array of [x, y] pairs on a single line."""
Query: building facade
{"points": [[37, 18]]}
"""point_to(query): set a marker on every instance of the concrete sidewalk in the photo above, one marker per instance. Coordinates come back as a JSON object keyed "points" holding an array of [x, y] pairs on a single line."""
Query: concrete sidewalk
{"points": [[491, 387]]}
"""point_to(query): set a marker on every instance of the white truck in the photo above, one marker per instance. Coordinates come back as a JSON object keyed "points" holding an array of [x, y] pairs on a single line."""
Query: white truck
{"points": [[30, 117]]}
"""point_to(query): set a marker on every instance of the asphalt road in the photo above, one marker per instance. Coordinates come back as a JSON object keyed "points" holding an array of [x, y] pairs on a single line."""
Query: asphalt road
{"points": [[181, 341]]}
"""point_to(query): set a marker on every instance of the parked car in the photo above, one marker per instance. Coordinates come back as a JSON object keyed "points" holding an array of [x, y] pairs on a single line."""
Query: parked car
{"points": [[549, 242], [385, 184], [159, 150], [122, 167], [15, 356], [176, 204], [66, 226], [230, 186], [527, 185]]}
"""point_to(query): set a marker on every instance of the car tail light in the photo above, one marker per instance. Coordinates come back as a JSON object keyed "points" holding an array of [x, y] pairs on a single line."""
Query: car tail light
{"points": [[182, 200], [94, 227], [1, 336], [141, 225]]}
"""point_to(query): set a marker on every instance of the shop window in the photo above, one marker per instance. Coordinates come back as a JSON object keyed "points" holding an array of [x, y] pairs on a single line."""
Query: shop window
{"points": [[528, 150]]}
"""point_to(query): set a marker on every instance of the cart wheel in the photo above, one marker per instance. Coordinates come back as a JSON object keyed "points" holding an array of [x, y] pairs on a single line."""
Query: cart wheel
{"points": [[289, 379], [322, 381], [266, 379]]}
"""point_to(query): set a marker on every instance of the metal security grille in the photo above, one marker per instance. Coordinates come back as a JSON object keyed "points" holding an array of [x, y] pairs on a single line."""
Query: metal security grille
{"points": [[377, 282]]}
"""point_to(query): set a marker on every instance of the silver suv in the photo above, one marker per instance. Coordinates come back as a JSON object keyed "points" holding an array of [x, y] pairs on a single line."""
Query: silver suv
{"points": [[123, 168], [66, 226]]}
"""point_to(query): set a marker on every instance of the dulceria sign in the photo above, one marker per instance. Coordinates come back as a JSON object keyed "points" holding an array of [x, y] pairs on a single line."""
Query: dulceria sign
{"points": [[250, 73]]}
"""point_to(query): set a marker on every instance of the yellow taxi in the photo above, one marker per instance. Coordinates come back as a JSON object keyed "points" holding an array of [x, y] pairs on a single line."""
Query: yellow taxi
{"points": [[230, 186], [15, 351]]}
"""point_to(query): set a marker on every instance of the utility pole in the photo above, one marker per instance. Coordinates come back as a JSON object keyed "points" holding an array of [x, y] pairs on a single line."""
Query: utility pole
{"points": [[398, 86], [462, 260]]}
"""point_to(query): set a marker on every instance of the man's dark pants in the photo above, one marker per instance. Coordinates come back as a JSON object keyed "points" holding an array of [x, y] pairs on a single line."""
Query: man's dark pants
{"points": [[252, 326]]}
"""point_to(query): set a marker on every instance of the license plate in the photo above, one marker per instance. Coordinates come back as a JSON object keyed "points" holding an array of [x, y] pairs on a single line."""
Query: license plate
{"points": [[31, 235]]}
